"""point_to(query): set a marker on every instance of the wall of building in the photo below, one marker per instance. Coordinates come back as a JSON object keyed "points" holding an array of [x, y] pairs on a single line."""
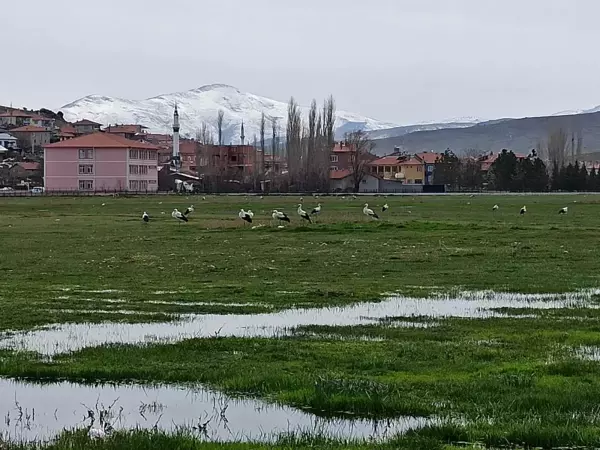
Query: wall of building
{"points": [[110, 170]]}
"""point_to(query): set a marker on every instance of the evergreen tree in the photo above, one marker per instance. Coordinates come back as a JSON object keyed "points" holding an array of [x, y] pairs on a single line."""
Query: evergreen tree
{"points": [[505, 171], [447, 169], [556, 181], [592, 181], [538, 179], [582, 179]]}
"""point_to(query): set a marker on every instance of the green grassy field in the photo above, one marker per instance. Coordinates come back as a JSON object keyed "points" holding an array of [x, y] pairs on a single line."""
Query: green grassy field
{"points": [[502, 381]]}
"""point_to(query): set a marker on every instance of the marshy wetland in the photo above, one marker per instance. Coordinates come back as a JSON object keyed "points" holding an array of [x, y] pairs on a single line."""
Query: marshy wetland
{"points": [[443, 325]]}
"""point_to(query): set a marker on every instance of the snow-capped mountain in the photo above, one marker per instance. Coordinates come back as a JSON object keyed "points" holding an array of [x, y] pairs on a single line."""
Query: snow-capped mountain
{"points": [[202, 105], [572, 112]]}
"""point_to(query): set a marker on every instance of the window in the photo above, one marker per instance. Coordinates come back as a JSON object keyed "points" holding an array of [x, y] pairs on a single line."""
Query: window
{"points": [[152, 155], [333, 158], [333, 168], [133, 154], [133, 170], [143, 170], [86, 169], [142, 154], [418, 181], [143, 185], [419, 168], [86, 185], [86, 153]]}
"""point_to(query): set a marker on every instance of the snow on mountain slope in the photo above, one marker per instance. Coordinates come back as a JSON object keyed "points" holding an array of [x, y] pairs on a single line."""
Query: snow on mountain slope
{"points": [[202, 105]]}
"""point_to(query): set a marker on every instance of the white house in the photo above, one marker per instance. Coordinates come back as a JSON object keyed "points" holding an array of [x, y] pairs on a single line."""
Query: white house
{"points": [[8, 141]]}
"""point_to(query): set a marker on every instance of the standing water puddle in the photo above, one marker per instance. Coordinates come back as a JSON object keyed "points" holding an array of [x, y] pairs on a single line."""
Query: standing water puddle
{"points": [[33, 412], [62, 338]]}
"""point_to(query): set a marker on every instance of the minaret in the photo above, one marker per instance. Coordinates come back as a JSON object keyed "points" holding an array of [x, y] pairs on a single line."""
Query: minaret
{"points": [[176, 138], [242, 137]]}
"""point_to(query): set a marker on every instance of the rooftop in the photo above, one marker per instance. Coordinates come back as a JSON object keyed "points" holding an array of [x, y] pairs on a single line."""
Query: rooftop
{"points": [[29, 165], [427, 157], [339, 174], [86, 122], [30, 129], [14, 113], [102, 140]]}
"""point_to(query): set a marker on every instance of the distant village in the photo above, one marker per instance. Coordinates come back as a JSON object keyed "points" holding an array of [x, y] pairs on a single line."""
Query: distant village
{"points": [[42, 152]]}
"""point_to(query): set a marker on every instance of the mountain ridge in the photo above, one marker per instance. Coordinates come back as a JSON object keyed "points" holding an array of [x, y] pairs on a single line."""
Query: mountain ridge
{"points": [[202, 105]]}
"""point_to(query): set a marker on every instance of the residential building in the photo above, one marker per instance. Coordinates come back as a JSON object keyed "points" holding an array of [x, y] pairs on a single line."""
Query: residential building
{"points": [[341, 157], [32, 136], [18, 118], [342, 181], [235, 161], [41, 121], [408, 169], [100, 162], [489, 159], [429, 159], [14, 118], [134, 132], [86, 127], [8, 141]]}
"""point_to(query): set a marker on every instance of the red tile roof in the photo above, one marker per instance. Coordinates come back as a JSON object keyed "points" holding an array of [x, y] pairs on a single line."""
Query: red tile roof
{"points": [[411, 162], [428, 157], [29, 165], [29, 129], [15, 114], [339, 174], [86, 122], [101, 140], [386, 161], [126, 129]]}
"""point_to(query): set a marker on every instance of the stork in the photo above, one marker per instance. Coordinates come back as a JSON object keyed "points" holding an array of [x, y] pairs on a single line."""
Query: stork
{"points": [[145, 217], [385, 208], [523, 210], [369, 212], [176, 214], [303, 213], [564, 210], [280, 216], [245, 216]]}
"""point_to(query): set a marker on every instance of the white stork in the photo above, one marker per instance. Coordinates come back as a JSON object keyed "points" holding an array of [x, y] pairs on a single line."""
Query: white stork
{"points": [[303, 213], [176, 214], [523, 210], [145, 217], [188, 211], [495, 208], [316, 210], [245, 216], [564, 210], [385, 208], [369, 212], [280, 216]]}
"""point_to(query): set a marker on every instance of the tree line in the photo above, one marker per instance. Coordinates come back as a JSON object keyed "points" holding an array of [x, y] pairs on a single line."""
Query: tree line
{"points": [[512, 173]]}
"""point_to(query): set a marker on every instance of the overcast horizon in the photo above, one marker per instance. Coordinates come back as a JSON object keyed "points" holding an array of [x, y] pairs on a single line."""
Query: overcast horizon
{"points": [[399, 61]]}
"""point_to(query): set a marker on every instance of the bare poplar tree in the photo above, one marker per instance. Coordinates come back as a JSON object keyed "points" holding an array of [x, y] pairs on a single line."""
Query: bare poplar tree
{"points": [[294, 141], [263, 124], [274, 141], [557, 146], [220, 117], [361, 146]]}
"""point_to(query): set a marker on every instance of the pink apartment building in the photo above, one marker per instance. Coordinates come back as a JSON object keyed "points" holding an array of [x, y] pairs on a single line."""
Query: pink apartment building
{"points": [[100, 162]]}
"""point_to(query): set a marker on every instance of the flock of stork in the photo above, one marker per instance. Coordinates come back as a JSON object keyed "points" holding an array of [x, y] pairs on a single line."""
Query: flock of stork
{"points": [[278, 216]]}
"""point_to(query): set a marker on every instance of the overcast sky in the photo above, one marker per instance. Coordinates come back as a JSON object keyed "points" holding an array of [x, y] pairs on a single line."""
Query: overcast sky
{"points": [[403, 61]]}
